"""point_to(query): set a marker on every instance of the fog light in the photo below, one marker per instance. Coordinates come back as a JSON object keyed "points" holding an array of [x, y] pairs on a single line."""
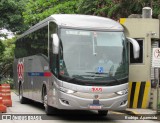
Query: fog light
{"points": [[65, 101], [124, 102], [125, 91]]}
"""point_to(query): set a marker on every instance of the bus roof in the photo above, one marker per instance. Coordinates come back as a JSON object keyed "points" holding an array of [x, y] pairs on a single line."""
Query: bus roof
{"points": [[79, 21], [85, 21]]}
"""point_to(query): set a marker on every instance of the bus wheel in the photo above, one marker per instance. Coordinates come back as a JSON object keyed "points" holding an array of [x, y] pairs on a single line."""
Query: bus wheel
{"points": [[103, 112], [46, 106], [21, 98]]}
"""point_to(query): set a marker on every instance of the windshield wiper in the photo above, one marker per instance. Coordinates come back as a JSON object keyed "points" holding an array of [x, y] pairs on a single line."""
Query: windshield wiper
{"points": [[83, 76], [92, 76], [67, 78], [105, 74], [96, 73], [75, 77], [114, 79]]}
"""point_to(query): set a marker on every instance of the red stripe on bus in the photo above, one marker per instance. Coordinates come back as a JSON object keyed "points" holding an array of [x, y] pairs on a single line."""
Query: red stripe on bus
{"points": [[48, 74]]}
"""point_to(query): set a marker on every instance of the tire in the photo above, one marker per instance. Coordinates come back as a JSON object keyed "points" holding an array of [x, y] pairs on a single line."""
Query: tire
{"points": [[102, 112], [48, 109], [22, 99]]}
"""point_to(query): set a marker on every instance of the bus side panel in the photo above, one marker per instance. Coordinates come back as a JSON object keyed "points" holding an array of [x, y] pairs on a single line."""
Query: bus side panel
{"points": [[20, 68], [35, 72], [27, 84], [37, 76]]}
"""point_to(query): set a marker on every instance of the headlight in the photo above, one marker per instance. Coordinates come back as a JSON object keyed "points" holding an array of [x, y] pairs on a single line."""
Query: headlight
{"points": [[68, 91], [122, 92]]}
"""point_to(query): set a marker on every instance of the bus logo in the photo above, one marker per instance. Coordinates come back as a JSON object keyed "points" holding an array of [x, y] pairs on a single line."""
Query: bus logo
{"points": [[20, 70], [96, 89], [96, 97]]}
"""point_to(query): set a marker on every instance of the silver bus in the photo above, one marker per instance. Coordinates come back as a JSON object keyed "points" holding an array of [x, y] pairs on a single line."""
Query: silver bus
{"points": [[74, 62]]}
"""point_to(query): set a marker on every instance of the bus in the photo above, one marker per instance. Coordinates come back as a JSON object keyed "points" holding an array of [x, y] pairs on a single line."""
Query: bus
{"points": [[74, 62]]}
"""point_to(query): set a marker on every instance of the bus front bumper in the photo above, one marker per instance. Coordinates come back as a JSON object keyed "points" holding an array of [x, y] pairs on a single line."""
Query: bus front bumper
{"points": [[70, 102]]}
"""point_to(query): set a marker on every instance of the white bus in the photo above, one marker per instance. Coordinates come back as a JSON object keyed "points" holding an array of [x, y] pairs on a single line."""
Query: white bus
{"points": [[74, 62]]}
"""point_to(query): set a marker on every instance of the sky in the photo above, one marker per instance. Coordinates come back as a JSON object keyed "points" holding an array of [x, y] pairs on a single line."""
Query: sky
{"points": [[8, 33]]}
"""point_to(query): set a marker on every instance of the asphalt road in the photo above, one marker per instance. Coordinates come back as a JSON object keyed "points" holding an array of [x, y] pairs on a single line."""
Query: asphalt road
{"points": [[34, 112]]}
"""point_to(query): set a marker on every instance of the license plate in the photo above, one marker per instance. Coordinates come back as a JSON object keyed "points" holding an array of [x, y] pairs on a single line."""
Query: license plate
{"points": [[95, 106]]}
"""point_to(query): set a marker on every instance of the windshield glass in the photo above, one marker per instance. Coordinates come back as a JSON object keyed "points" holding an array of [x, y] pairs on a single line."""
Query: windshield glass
{"points": [[89, 55]]}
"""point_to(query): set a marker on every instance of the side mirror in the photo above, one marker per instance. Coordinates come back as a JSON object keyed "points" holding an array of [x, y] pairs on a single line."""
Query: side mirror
{"points": [[55, 43], [136, 47]]}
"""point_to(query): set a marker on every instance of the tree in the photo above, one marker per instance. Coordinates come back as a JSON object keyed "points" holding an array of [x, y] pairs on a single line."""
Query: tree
{"points": [[36, 11], [1, 49], [11, 15], [156, 9], [96, 7], [15, 12], [7, 57], [117, 8]]}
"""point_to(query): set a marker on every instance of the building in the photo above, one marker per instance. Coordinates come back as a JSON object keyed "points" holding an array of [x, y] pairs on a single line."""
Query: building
{"points": [[142, 85]]}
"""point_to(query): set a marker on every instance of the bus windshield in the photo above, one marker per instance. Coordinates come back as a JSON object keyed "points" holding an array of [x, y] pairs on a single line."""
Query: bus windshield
{"points": [[93, 55]]}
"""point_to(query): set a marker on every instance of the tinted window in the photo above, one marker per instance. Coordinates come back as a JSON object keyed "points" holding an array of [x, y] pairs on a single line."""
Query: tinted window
{"points": [[33, 43]]}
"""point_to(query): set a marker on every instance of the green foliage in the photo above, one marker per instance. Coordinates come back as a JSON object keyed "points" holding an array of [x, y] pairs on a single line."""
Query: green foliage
{"points": [[3, 35], [8, 81], [98, 7], [36, 11], [18, 15], [11, 15], [159, 105], [1, 49], [117, 8], [156, 10], [7, 58]]}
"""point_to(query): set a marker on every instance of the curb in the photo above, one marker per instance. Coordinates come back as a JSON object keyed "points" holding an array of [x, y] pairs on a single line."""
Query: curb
{"points": [[129, 112]]}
